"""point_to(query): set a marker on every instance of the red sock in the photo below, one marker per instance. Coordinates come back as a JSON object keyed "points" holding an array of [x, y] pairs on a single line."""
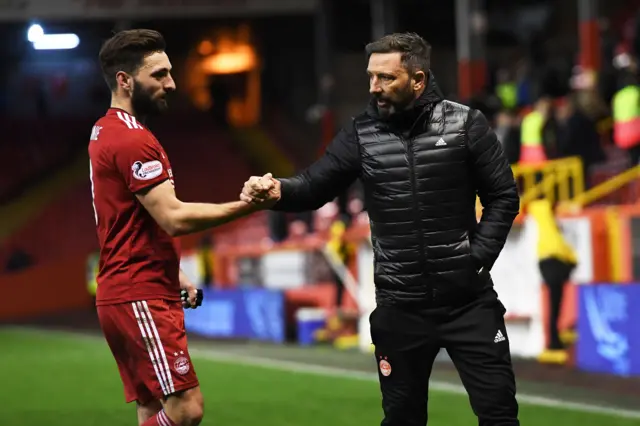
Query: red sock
{"points": [[160, 419]]}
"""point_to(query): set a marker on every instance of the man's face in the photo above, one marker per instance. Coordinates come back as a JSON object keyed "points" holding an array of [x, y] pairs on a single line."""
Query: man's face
{"points": [[151, 84], [391, 85]]}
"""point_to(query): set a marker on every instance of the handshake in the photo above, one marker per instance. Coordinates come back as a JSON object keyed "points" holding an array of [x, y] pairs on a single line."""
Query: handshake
{"points": [[262, 191]]}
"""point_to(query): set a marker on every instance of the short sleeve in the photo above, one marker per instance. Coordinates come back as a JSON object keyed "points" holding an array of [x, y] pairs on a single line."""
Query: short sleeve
{"points": [[140, 163]]}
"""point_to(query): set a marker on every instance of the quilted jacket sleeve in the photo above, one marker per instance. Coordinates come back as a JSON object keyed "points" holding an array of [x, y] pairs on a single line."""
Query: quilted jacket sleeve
{"points": [[321, 182], [496, 188]]}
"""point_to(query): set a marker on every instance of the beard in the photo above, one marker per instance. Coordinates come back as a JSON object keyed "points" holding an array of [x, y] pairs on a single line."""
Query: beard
{"points": [[143, 102], [394, 103]]}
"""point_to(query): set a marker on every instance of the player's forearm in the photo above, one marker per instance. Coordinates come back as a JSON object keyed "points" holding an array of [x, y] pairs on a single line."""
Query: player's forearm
{"points": [[195, 217], [184, 280]]}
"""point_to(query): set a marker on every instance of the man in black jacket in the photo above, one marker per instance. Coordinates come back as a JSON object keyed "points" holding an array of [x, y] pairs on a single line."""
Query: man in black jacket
{"points": [[422, 160]]}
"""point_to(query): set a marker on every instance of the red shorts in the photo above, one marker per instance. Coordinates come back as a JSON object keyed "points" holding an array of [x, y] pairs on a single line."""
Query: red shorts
{"points": [[149, 342]]}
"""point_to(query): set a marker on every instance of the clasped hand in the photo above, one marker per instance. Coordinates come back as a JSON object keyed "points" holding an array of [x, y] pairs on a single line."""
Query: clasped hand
{"points": [[264, 191]]}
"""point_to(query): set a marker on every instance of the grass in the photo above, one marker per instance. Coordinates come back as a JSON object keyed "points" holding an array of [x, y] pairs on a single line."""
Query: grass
{"points": [[57, 379]]}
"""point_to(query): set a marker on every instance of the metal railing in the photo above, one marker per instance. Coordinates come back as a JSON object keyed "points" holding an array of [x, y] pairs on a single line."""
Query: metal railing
{"points": [[556, 180], [602, 190]]}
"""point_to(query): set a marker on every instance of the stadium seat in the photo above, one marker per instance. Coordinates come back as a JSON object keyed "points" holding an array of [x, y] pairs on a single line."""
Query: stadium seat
{"points": [[207, 169]]}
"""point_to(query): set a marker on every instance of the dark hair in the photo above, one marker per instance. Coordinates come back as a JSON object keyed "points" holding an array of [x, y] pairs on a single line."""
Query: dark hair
{"points": [[126, 50], [415, 51]]}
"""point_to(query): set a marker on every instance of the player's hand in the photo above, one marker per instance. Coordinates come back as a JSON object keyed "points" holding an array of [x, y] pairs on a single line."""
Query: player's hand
{"points": [[263, 191], [190, 297], [257, 188]]}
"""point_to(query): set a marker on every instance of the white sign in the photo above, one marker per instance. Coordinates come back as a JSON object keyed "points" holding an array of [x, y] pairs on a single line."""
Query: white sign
{"points": [[366, 294], [284, 269], [516, 278], [515, 274], [577, 232]]}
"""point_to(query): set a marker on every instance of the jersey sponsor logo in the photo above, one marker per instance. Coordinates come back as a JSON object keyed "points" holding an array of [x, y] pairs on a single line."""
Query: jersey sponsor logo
{"points": [[181, 365], [146, 171]]}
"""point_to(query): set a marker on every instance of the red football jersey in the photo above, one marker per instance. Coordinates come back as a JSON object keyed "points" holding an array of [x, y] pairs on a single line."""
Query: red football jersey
{"points": [[138, 259]]}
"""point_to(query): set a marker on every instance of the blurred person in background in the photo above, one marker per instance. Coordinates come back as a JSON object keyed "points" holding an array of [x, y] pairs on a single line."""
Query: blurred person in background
{"points": [[278, 226], [93, 269], [508, 132], [626, 108], [524, 87], [342, 251], [538, 132], [556, 261], [204, 255], [422, 160], [588, 99], [550, 130], [506, 89], [607, 76], [577, 135], [137, 213], [592, 104]]}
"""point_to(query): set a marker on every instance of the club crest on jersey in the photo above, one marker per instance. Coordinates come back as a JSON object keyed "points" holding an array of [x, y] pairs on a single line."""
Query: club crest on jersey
{"points": [[146, 171], [385, 367], [181, 365]]}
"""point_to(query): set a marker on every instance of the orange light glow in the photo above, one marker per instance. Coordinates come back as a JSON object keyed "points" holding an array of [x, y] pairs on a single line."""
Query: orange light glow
{"points": [[205, 48], [239, 59]]}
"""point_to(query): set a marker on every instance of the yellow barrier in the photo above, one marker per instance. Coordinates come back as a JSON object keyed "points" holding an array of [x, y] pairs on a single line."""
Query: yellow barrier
{"points": [[556, 180], [614, 239], [603, 189], [544, 189]]}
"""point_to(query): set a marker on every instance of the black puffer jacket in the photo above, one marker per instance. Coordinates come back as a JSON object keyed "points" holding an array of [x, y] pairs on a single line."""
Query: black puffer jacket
{"points": [[421, 171]]}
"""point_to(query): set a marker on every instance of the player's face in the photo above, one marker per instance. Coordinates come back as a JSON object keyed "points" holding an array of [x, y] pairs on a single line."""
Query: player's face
{"points": [[390, 83], [152, 84]]}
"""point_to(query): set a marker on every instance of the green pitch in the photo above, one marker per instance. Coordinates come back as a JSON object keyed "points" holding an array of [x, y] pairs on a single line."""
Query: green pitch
{"points": [[67, 380]]}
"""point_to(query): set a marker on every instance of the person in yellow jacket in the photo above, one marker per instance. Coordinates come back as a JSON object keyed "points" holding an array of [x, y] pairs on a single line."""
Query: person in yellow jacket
{"points": [[538, 133], [93, 267], [626, 117], [556, 260], [506, 89], [205, 256], [342, 250]]}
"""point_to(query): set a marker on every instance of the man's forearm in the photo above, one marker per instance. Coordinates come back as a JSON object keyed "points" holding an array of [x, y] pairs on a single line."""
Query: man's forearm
{"points": [[195, 217], [321, 182], [493, 228], [497, 189], [295, 195], [298, 195]]}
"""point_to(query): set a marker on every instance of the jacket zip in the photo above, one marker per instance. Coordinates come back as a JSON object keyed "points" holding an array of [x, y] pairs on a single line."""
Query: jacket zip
{"points": [[408, 143]]}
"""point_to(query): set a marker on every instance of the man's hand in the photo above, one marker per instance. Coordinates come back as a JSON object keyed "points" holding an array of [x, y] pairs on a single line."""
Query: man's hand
{"points": [[189, 292], [190, 297], [264, 191]]}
